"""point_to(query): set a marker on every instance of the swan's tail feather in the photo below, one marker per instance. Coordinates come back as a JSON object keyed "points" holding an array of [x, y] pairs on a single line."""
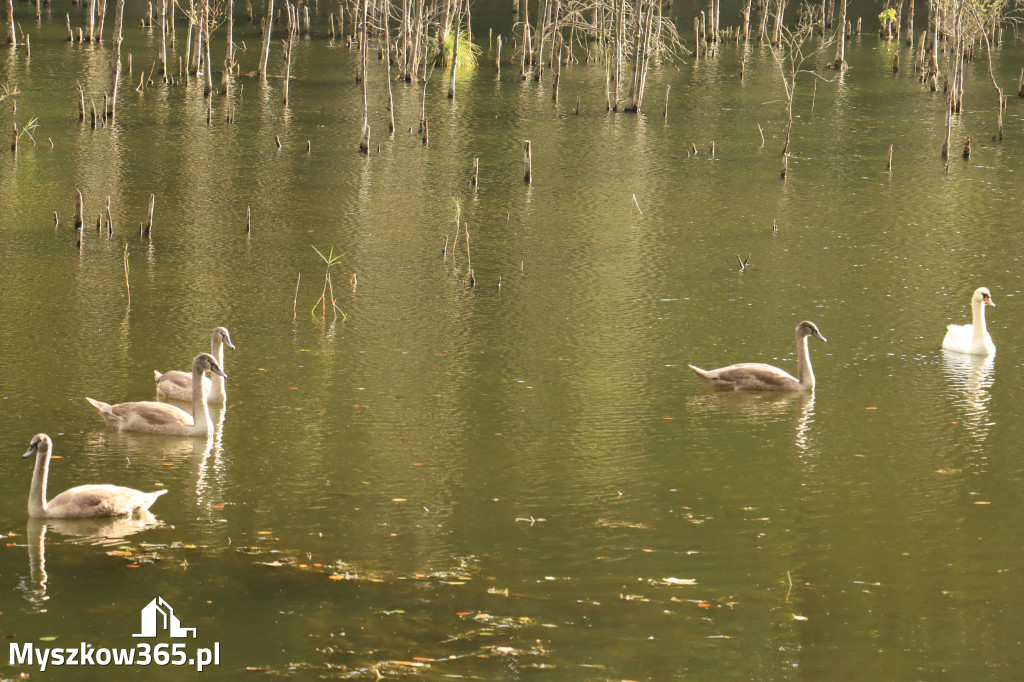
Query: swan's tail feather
{"points": [[104, 409], [157, 375], [700, 372]]}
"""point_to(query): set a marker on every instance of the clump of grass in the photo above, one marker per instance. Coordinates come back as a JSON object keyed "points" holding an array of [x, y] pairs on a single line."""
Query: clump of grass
{"points": [[28, 128], [467, 55]]}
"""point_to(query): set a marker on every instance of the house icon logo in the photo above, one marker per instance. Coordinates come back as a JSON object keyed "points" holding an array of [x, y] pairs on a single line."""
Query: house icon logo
{"points": [[158, 615]]}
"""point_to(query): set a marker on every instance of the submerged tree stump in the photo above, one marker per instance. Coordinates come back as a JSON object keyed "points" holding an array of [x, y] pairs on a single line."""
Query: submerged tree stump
{"points": [[528, 162], [79, 210], [147, 231]]}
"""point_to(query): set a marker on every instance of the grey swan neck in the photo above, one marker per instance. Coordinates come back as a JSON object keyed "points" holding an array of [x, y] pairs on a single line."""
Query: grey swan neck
{"points": [[37, 495], [199, 409], [804, 373], [217, 381]]}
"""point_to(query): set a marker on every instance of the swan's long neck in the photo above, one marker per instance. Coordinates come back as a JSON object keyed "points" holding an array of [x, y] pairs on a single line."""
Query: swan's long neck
{"points": [[200, 412], [37, 493], [217, 351], [978, 323], [804, 374]]}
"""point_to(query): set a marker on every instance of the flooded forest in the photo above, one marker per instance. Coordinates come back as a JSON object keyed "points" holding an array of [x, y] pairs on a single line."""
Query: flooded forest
{"points": [[441, 270]]}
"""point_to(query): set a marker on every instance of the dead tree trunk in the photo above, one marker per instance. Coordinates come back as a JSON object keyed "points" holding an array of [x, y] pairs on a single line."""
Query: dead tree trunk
{"points": [[364, 140], [90, 20], [387, 63], [229, 52], [208, 64], [840, 62], [163, 39], [261, 71], [12, 36], [288, 53], [115, 69], [455, 49], [910, 23]]}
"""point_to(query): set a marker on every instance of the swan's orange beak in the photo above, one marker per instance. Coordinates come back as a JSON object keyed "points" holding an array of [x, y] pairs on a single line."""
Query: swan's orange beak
{"points": [[988, 300]]}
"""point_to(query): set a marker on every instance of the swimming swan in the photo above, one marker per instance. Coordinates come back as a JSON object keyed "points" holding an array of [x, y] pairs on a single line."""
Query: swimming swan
{"points": [[973, 338], [81, 502], [759, 377], [178, 385], [153, 417]]}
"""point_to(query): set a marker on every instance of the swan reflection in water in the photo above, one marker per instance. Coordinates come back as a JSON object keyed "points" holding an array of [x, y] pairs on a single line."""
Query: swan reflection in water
{"points": [[103, 532], [203, 456], [763, 407], [209, 483], [970, 377]]}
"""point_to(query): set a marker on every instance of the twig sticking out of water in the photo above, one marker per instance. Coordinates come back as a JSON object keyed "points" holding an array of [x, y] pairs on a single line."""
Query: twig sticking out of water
{"points": [[744, 262], [469, 261], [458, 216], [127, 268]]}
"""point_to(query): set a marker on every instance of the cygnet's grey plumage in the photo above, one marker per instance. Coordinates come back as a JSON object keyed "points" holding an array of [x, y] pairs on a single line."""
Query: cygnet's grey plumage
{"points": [[81, 502], [178, 385], [149, 416], [755, 376]]}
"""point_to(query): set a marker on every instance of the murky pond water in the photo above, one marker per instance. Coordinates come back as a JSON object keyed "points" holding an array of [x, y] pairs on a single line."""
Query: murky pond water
{"points": [[522, 476]]}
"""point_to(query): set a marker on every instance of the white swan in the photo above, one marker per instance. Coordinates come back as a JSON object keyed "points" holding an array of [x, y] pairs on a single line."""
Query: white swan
{"points": [[154, 417], [973, 338], [178, 385], [759, 377], [81, 502]]}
